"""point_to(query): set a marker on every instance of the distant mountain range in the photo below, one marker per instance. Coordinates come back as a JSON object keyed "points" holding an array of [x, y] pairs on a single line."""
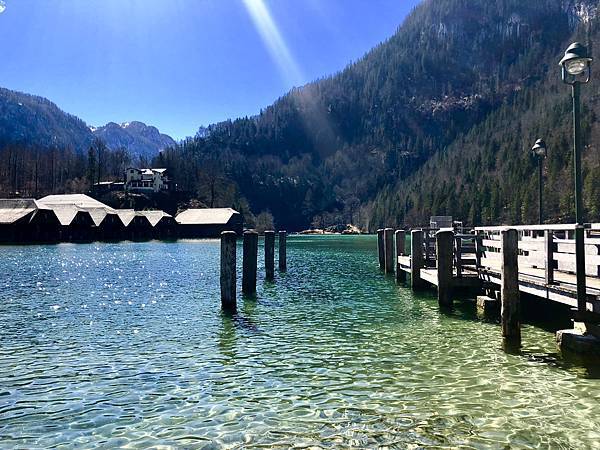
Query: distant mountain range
{"points": [[137, 137], [37, 122]]}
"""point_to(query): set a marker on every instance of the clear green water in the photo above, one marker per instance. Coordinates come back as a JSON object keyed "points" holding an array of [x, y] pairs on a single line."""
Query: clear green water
{"points": [[124, 345]]}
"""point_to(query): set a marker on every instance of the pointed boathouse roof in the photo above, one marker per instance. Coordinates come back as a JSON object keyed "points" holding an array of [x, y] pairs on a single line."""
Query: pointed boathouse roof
{"points": [[207, 216], [12, 210]]}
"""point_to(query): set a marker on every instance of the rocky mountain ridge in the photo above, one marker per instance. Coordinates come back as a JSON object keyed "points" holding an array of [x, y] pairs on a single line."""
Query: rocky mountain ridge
{"points": [[36, 122]]}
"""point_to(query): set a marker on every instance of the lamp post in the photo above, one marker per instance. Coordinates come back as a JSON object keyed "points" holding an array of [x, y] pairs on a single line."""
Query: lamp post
{"points": [[540, 152], [576, 70]]}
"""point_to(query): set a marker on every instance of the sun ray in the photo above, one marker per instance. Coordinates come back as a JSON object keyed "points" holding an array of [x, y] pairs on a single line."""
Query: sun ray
{"points": [[272, 38]]}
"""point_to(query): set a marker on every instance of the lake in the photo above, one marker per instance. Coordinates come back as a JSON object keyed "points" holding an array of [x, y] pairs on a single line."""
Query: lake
{"points": [[125, 345]]}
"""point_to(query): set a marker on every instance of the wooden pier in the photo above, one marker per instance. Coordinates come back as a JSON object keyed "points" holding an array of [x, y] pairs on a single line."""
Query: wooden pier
{"points": [[540, 263]]}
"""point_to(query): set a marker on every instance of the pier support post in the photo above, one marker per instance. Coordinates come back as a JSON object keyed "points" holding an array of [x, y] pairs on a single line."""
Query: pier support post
{"points": [[487, 307], [228, 270], [416, 259], [269, 255], [249, 262], [282, 251], [444, 242], [381, 249], [388, 239], [509, 294], [400, 242]]}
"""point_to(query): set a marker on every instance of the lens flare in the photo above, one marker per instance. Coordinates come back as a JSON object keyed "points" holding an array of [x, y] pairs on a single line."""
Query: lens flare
{"points": [[271, 36]]}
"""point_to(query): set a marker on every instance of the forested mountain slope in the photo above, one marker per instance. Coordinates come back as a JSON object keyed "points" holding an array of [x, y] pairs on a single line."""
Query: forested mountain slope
{"points": [[37, 122], [488, 176], [352, 147], [44, 150]]}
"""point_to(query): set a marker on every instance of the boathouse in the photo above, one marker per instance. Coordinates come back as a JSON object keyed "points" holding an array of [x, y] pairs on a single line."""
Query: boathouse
{"points": [[163, 224], [209, 222], [107, 224], [140, 228], [25, 220], [74, 212]]}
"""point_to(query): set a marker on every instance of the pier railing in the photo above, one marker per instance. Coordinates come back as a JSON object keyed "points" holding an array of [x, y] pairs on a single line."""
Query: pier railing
{"points": [[544, 250], [545, 257], [465, 252], [502, 262]]}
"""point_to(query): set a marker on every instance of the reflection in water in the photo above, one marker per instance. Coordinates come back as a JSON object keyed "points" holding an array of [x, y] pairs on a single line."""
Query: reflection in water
{"points": [[116, 345], [511, 346], [227, 340]]}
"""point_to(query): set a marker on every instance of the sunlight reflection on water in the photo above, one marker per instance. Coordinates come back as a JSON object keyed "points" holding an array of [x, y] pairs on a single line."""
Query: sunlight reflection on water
{"points": [[110, 345]]}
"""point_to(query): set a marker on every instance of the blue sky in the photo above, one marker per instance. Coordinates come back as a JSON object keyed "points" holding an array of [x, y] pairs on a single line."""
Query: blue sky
{"points": [[179, 64]]}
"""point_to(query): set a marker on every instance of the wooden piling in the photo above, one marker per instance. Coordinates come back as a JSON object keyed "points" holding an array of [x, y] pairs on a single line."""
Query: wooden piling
{"points": [[381, 249], [250, 262], [282, 251], [444, 243], [269, 255], [228, 270], [416, 258], [400, 243], [509, 294], [388, 239]]}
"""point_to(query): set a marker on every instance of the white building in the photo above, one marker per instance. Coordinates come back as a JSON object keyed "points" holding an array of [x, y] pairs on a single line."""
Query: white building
{"points": [[146, 180]]}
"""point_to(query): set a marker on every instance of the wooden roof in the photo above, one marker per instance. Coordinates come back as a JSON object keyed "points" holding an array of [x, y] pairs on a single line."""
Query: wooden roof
{"points": [[154, 217], [126, 215], [80, 200], [207, 216], [12, 210]]}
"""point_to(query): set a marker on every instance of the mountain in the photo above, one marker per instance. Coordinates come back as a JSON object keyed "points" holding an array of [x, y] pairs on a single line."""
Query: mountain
{"points": [[44, 150], [372, 144], [437, 120], [488, 175], [35, 121], [138, 138]]}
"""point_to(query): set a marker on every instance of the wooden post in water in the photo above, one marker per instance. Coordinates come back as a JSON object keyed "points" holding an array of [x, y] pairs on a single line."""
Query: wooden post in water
{"points": [[509, 293], [400, 242], [282, 251], [249, 262], [388, 238], [270, 255], [444, 243], [381, 249], [228, 270], [416, 258]]}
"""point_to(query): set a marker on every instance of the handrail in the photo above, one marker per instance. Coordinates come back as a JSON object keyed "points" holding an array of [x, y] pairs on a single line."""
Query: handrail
{"points": [[549, 227]]}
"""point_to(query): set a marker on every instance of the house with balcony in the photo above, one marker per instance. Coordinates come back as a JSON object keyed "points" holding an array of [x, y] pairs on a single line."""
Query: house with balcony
{"points": [[147, 180]]}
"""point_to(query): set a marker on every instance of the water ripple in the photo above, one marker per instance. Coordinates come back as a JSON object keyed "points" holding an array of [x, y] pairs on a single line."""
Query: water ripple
{"points": [[124, 345]]}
